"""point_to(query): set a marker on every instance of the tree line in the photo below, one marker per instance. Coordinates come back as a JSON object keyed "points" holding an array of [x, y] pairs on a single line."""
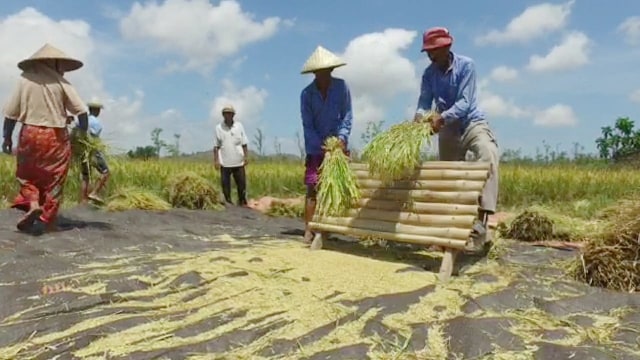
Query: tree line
{"points": [[618, 142]]}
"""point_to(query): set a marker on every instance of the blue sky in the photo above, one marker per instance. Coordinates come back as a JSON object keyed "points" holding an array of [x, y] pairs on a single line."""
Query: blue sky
{"points": [[555, 71]]}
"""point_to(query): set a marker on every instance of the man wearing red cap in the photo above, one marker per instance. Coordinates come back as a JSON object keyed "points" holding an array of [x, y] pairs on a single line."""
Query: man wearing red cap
{"points": [[450, 82]]}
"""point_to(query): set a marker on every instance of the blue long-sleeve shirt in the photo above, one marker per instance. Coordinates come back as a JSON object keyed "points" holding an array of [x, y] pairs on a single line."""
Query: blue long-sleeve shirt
{"points": [[322, 118], [453, 91]]}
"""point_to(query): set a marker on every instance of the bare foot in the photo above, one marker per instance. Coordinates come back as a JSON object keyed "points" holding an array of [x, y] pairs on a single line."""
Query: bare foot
{"points": [[308, 236]]}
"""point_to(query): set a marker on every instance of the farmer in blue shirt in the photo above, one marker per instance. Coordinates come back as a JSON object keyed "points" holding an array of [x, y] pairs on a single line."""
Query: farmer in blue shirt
{"points": [[325, 106], [450, 82], [99, 162]]}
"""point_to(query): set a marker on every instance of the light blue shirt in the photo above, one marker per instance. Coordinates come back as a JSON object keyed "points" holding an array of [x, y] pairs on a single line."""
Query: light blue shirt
{"points": [[95, 127], [453, 91], [322, 118]]}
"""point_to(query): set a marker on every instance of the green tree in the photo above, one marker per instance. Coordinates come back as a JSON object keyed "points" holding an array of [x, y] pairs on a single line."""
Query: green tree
{"points": [[144, 153], [157, 142], [618, 141]]}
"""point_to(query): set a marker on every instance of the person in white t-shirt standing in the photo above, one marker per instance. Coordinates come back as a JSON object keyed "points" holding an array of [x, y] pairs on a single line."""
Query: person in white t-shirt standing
{"points": [[230, 155]]}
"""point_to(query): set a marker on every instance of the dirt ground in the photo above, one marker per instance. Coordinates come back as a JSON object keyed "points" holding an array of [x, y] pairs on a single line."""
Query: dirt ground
{"points": [[241, 285]]}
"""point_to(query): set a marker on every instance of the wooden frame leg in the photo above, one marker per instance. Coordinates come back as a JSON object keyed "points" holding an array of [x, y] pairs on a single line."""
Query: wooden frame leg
{"points": [[317, 242], [448, 262]]}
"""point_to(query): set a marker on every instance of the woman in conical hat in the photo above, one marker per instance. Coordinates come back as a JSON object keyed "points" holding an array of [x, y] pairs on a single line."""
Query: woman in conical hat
{"points": [[40, 102], [325, 106]]}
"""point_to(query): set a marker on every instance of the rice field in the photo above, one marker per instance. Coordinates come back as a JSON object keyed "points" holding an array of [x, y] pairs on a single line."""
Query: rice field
{"points": [[578, 190]]}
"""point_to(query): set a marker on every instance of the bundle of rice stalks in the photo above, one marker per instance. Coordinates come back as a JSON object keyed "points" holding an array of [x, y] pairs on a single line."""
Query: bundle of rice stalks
{"points": [[338, 189], [132, 198], [84, 148], [192, 191], [283, 209], [394, 154], [612, 258], [529, 226]]}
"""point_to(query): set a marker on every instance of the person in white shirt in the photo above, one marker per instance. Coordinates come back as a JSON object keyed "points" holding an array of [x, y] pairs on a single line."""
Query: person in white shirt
{"points": [[230, 155]]}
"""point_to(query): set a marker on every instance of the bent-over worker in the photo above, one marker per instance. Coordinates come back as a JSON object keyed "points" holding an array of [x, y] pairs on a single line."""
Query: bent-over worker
{"points": [[461, 125]]}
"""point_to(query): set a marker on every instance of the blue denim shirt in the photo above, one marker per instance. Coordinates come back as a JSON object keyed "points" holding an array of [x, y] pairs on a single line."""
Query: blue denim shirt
{"points": [[95, 127], [453, 91], [322, 118]]}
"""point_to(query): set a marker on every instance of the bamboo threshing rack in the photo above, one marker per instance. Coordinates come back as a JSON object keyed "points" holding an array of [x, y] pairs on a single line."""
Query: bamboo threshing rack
{"points": [[436, 205]]}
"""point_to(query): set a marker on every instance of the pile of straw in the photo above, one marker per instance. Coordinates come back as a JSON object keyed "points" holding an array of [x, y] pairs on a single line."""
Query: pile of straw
{"points": [[529, 226], [192, 191], [338, 189], [133, 198], [394, 154], [284, 209], [612, 259]]}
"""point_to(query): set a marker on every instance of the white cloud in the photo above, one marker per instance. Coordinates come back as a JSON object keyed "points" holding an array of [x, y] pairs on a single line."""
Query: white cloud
{"points": [[631, 29], [635, 96], [27, 30], [504, 73], [495, 105], [534, 22], [125, 125], [558, 115], [571, 53], [248, 103], [201, 33], [376, 73]]}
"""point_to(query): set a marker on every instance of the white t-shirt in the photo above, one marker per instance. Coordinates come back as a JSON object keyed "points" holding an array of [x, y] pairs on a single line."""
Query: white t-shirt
{"points": [[230, 141]]}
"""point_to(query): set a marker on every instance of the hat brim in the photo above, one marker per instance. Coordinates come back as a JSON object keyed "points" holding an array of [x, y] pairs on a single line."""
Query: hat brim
{"points": [[66, 64], [95, 106], [329, 67], [440, 44]]}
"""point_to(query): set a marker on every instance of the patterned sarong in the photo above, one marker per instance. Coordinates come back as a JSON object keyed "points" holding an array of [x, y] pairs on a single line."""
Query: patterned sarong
{"points": [[43, 159], [312, 169]]}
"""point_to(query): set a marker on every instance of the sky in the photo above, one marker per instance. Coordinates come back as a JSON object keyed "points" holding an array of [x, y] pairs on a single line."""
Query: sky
{"points": [[552, 71]]}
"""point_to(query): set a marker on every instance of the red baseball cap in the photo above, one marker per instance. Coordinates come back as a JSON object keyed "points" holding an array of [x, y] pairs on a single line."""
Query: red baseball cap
{"points": [[435, 38]]}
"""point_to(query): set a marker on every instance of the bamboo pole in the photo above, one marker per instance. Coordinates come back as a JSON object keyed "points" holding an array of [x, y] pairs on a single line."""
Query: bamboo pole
{"points": [[422, 220], [418, 207], [398, 237], [389, 226], [438, 165], [433, 185], [465, 198], [434, 174]]}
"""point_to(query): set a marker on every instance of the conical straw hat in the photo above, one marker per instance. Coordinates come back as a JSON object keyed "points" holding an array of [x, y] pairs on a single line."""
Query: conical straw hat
{"points": [[95, 103], [48, 52], [321, 59]]}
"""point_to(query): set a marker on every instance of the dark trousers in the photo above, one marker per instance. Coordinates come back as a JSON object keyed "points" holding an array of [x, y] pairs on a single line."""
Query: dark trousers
{"points": [[240, 179]]}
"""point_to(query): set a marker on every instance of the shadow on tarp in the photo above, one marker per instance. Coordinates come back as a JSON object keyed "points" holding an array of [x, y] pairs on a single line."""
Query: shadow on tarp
{"points": [[66, 224]]}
